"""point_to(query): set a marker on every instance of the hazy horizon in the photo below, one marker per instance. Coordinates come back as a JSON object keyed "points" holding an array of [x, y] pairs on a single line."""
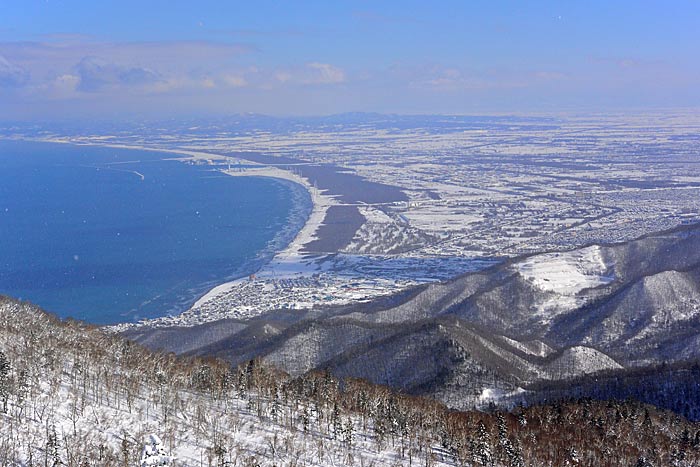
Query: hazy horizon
{"points": [[74, 59]]}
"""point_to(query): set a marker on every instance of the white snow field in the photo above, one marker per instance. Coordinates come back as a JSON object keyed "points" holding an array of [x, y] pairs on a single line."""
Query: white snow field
{"points": [[564, 276]]}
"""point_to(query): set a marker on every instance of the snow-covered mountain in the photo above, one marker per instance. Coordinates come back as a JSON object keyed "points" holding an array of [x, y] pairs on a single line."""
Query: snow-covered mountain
{"points": [[544, 317]]}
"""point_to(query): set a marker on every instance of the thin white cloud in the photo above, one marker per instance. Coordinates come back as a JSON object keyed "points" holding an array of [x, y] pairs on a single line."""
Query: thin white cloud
{"points": [[46, 60], [62, 87], [72, 68], [324, 73], [451, 79], [283, 76], [95, 74], [313, 73], [550, 75], [208, 83], [234, 81], [12, 75]]}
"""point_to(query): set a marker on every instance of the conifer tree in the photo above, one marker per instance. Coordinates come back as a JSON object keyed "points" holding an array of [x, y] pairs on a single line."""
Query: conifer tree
{"points": [[481, 450], [154, 453], [4, 380]]}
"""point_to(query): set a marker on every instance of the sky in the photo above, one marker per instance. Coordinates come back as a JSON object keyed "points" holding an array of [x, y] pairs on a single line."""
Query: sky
{"points": [[107, 59]]}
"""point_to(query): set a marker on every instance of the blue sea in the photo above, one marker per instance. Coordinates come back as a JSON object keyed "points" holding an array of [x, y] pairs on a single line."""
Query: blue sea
{"points": [[114, 235]]}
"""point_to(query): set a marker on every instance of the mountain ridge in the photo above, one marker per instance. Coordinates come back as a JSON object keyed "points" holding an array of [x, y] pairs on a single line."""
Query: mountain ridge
{"points": [[574, 309]]}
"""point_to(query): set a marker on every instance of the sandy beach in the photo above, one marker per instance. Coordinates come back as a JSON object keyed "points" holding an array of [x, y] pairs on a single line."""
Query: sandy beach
{"points": [[190, 155], [290, 261]]}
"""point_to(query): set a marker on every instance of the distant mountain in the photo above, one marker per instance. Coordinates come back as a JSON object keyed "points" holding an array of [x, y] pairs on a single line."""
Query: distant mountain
{"points": [[246, 123]]}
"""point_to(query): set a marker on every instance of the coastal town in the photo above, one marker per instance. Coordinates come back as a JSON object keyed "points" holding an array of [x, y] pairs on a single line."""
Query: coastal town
{"points": [[401, 203]]}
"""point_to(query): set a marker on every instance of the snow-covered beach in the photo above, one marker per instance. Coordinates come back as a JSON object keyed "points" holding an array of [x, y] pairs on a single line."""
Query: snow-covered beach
{"points": [[283, 258], [287, 261], [291, 260]]}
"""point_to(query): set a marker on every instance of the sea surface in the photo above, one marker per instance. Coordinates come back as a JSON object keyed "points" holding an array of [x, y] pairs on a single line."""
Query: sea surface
{"points": [[114, 235]]}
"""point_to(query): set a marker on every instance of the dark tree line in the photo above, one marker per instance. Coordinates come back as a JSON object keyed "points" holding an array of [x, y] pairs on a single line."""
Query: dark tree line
{"points": [[669, 386]]}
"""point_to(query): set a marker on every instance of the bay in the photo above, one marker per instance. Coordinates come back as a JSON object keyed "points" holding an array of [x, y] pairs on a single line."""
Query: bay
{"points": [[116, 235]]}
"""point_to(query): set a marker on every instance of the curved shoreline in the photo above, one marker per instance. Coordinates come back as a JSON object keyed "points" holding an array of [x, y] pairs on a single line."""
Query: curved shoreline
{"points": [[286, 261], [293, 272], [289, 260]]}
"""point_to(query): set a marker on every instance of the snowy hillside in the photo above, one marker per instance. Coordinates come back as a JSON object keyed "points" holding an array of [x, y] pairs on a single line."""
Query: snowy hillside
{"points": [[77, 397], [538, 318], [74, 396], [564, 275]]}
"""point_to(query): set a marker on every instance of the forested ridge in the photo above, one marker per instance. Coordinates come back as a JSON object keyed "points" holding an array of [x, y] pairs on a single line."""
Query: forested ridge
{"points": [[71, 394], [532, 322], [670, 386]]}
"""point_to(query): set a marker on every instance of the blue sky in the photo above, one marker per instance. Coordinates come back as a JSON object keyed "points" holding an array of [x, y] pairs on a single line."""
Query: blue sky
{"points": [[177, 58]]}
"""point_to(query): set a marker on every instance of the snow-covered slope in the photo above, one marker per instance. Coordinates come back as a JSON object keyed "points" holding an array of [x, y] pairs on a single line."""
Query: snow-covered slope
{"points": [[74, 396], [594, 309], [566, 273], [657, 317], [563, 276], [580, 360]]}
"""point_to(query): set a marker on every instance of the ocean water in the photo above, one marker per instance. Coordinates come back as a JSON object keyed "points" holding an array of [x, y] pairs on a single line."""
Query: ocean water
{"points": [[114, 235]]}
